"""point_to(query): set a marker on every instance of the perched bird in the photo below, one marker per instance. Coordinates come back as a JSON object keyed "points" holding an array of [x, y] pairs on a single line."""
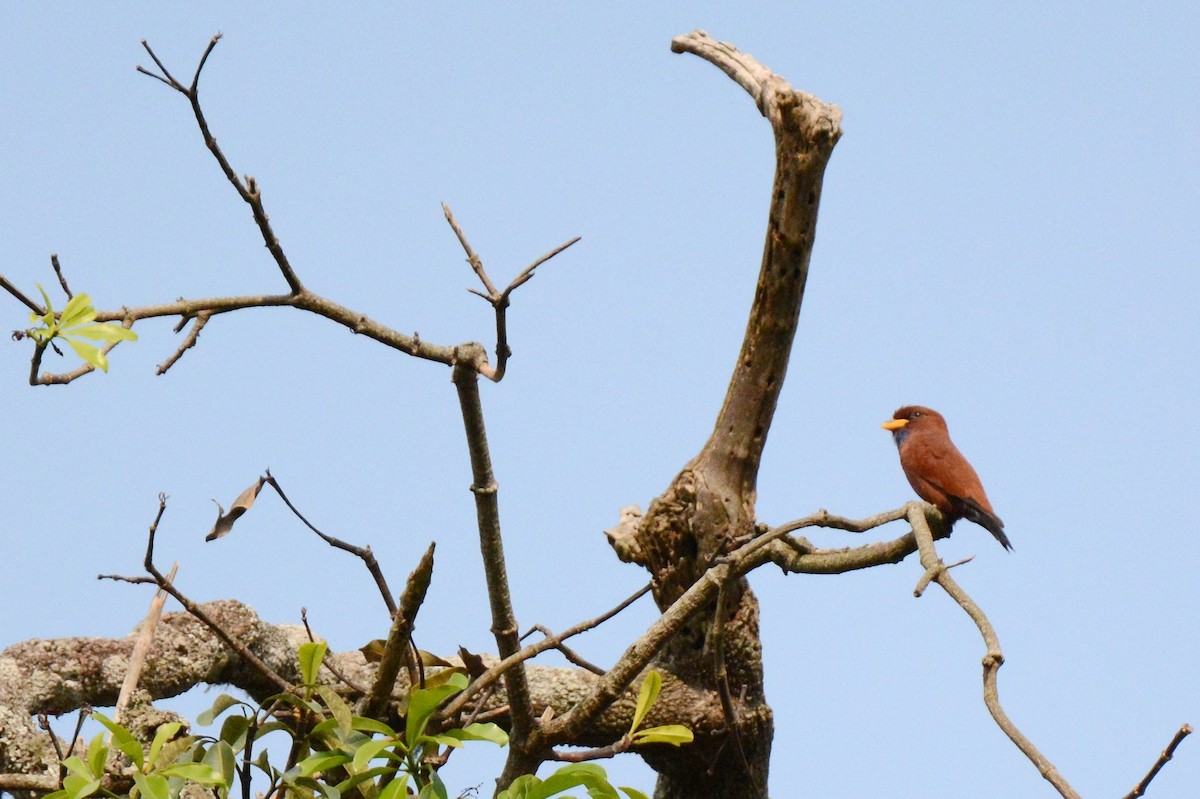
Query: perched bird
{"points": [[938, 472]]}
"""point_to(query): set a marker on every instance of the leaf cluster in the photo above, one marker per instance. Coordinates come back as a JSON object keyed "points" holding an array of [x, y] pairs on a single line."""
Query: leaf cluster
{"points": [[333, 752], [77, 320]]}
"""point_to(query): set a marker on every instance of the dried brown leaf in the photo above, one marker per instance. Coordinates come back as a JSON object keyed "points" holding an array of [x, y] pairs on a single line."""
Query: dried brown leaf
{"points": [[240, 505]]}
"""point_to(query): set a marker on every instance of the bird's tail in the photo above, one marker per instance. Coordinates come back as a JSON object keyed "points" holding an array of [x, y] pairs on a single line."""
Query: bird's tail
{"points": [[987, 520]]}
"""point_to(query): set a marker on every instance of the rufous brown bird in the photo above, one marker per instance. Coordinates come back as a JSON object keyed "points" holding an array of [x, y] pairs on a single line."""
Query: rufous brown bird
{"points": [[938, 472]]}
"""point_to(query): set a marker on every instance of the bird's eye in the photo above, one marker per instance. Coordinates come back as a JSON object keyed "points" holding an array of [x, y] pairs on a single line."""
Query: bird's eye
{"points": [[917, 414]]}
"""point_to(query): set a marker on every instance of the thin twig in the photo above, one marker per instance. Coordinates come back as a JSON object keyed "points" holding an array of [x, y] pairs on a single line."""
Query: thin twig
{"points": [[1167, 754], [365, 553], [44, 724], [309, 302], [327, 662], [8, 286], [566, 651], [248, 191], [188, 342], [169, 79], [62, 281], [191, 607], [993, 660], [486, 679], [472, 258], [499, 300], [599, 753], [715, 646], [141, 648]]}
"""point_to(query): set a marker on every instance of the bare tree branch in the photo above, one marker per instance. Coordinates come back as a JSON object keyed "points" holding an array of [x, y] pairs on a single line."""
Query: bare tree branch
{"points": [[140, 649], [8, 286], [522, 759], [499, 300], [398, 639], [248, 191], [237, 646], [365, 553], [1167, 754], [994, 658], [62, 281], [188, 342], [493, 673]]}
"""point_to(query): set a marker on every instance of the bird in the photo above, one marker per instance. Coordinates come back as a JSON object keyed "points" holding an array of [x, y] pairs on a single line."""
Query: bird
{"points": [[938, 472]]}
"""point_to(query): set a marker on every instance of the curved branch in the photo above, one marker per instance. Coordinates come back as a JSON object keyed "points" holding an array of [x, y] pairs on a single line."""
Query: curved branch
{"points": [[994, 658], [806, 130]]}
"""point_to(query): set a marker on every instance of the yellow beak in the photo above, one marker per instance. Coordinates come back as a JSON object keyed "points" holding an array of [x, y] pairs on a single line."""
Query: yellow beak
{"points": [[894, 424]]}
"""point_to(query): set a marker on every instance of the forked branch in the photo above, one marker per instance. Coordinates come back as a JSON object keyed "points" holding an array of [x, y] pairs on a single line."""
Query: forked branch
{"points": [[938, 572], [499, 300], [298, 297]]}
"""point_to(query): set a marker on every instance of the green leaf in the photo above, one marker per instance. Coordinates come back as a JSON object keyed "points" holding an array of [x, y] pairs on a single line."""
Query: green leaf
{"points": [[222, 703], [321, 761], [337, 707], [480, 732], [90, 354], [434, 789], [357, 779], [396, 789], [171, 752], [371, 750], [75, 765], [310, 655], [586, 775], [152, 786], [313, 786], [46, 299], [422, 702], [97, 753], [77, 787], [634, 793], [123, 739], [221, 757], [103, 331], [196, 772], [444, 677], [163, 734], [674, 734], [364, 724], [79, 311], [233, 731], [647, 696]]}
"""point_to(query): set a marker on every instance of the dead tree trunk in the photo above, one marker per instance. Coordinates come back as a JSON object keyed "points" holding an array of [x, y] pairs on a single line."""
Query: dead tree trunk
{"points": [[709, 507]]}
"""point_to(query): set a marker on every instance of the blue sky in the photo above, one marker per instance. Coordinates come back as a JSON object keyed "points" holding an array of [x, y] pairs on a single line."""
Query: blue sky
{"points": [[1007, 234]]}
